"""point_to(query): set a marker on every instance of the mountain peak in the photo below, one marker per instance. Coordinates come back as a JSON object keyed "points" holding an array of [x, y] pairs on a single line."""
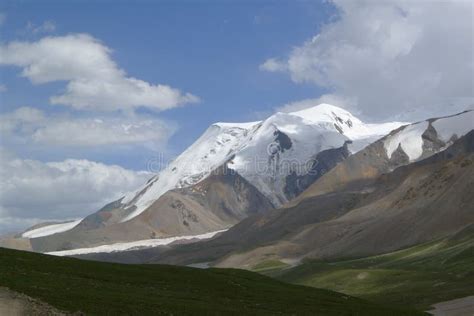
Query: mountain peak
{"points": [[322, 112], [322, 109], [328, 113]]}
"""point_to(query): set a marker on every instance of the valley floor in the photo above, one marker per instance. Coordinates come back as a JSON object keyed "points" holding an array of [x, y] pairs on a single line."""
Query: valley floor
{"points": [[419, 276]]}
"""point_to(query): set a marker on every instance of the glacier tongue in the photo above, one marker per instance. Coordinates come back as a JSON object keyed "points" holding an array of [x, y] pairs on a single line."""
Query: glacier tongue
{"points": [[51, 229], [263, 152]]}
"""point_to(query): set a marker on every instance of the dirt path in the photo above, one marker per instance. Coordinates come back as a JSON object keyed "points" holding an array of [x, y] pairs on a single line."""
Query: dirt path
{"points": [[458, 307], [16, 304]]}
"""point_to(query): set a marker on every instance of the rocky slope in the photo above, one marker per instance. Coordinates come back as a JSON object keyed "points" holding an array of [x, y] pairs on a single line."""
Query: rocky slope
{"points": [[407, 144], [414, 204], [356, 209], [217, 202]]}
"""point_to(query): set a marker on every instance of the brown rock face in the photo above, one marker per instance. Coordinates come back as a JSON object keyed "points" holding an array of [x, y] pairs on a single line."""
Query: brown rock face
{"points": [[218, 202], [416, 203]]}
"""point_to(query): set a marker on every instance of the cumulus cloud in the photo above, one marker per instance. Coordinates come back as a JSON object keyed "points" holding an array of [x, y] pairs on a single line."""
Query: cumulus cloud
{"points": [[95, 82], [32, 191], [391, 56], [30, 125], [273, 65]]}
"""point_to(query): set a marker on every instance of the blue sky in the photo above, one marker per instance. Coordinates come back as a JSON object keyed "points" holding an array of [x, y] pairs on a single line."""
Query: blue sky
{"points": [[209, 48]]}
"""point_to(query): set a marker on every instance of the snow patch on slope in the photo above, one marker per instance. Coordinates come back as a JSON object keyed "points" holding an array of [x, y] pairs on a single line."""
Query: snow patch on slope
{"points": [[134, 245], [409, 139], [50, 229]]}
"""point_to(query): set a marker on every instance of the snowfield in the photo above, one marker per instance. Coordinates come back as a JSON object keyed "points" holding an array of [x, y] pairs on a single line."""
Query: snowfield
{"points": [[134, 245], [409, 139], [50, 229]]}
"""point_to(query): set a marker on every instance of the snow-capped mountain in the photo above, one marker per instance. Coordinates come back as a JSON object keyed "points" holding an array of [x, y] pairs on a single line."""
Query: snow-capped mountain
{"points": [[263, 152], [237, 169], [280, 157], [404, 145], [210, 151]]}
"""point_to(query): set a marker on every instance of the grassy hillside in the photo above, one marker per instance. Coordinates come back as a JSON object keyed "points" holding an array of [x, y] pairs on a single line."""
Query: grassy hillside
{"points": [[418, 276], [116, 289]]}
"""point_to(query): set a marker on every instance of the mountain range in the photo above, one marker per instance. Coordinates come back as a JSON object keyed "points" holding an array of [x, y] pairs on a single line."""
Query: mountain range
{"points": [[313, 183], [416, 203]]}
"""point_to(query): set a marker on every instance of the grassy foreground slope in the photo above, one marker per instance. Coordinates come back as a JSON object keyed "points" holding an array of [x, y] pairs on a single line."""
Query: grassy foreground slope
{"points": [[116, 289], [418, 276]]}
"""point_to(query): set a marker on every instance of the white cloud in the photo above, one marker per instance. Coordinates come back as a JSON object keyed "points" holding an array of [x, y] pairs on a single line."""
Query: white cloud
{"points": [[45, 27], [30, 125], [32, 191], [19, 121], [3, 88], [273, 65], [93, 132], [391, 56], [95, 82]]}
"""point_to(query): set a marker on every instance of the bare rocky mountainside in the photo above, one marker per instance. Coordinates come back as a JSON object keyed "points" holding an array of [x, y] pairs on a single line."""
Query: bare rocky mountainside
{"points": [[376, 209], [417, 203]]}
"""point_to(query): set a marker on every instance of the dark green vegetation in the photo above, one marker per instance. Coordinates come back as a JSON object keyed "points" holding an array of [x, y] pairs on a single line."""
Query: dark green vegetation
{"points": [[116, 289], [419, 276]]}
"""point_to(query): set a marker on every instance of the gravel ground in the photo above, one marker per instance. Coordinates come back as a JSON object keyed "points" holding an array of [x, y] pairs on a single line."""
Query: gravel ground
{"points": [[16, 304], [458, 307]]}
